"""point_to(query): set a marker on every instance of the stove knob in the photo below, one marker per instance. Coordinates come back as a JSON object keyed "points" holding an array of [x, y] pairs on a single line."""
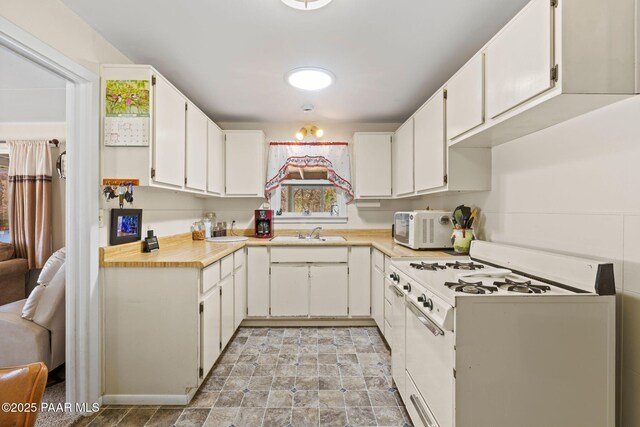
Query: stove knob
{"points": [[428, 304], [422, 298], [407, 287], [394, 277]]}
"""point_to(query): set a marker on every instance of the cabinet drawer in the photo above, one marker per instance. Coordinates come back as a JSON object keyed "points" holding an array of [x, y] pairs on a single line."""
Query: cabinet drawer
{"points": [[388, 313], [238, 259], [226, 266], [299, 254], [378, 259], [210, 277], [387, 263], [418, 410]]}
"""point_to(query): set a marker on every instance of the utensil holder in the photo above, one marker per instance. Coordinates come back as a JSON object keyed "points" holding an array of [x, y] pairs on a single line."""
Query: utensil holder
{"points": [[461, 239]]}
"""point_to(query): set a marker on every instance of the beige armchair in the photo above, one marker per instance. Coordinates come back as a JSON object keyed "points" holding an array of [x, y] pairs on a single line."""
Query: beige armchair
{"points": [[42, 339], [13, 272]]}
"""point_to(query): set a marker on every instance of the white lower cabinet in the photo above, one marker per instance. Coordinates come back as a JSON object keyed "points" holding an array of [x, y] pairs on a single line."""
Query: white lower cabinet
{"points": [[360, 281], [209, 331], [258, 282], [289, 290], [377, 295], [227, 326], [328, 285], [240, 287]]}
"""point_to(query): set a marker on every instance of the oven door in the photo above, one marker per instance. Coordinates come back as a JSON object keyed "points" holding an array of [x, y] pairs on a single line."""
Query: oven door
{"points": [[402, 227], [429, 362]]}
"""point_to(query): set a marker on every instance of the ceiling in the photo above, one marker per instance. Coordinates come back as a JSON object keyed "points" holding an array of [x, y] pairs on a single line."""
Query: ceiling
{"points": [[28, 92], [230, 56]]}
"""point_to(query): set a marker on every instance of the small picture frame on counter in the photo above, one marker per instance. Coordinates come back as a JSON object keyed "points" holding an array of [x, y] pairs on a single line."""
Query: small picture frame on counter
{"points": [[126, 226]]}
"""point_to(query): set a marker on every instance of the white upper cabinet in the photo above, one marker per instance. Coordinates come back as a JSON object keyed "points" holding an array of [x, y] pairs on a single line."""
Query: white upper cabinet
{"points": [[465, 98], [430, 145], [520, 58], [215, 163], [196, 168], [403, 159], [170, 125], [245, 163], [372, 161]]}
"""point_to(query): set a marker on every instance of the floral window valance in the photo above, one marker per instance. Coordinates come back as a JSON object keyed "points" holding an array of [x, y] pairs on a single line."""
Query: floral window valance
{"points": [[332, 157]]}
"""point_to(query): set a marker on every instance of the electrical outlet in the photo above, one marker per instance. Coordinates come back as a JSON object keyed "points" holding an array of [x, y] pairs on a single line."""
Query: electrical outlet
{"points": [[101, 218]]}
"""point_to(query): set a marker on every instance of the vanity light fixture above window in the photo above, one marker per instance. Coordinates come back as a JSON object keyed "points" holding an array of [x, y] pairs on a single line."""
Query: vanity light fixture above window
{"points": [[310, 78], [306, 4]]}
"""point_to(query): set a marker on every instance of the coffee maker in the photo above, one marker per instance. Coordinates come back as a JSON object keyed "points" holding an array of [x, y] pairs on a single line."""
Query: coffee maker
{"points": [[264, 223]]}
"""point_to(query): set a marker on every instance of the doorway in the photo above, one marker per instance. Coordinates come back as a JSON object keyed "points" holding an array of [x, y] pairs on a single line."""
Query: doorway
{"points": [[81, 88]]}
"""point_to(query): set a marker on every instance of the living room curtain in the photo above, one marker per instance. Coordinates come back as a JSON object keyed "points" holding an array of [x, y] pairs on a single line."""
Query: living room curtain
{"points": [[30, 200]]}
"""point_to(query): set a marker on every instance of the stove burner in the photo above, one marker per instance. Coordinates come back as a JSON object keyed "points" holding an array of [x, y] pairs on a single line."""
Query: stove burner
{"points": [[522, 287], [476, 288], [427, 266], [464, 265]]}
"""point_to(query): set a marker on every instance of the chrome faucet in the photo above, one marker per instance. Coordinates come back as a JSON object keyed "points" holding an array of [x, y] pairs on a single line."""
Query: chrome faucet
{"points": [[310, 236]]}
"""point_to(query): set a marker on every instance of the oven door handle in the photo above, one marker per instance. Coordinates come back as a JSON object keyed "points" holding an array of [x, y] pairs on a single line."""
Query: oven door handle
{"points": [[430, 324], [396, 290], [426, 420]]}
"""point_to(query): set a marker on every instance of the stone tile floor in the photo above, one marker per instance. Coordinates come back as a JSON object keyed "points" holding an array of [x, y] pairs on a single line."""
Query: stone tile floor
{"points": [[279, 377]]}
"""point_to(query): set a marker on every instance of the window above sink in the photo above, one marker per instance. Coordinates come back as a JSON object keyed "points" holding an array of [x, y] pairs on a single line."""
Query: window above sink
{"points": [[309, 201]]}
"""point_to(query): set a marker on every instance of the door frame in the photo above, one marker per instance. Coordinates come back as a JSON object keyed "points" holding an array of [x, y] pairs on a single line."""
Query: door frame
{"points": [[83, 355]]}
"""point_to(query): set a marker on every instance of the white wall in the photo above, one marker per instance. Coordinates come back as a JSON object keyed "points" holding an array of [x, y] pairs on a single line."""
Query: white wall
{"points": [[166, 212], [574, 188], [242, 210], [55, 24], [9, 131]]}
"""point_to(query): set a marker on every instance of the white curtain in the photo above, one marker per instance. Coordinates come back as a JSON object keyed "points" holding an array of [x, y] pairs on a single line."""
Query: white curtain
{"points": [[330, 156]]}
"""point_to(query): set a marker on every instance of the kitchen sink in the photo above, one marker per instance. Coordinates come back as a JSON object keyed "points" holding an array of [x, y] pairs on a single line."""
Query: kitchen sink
{"points": [[305, 239]]}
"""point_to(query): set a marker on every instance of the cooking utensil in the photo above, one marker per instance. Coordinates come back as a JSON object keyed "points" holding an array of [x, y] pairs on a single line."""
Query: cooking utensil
{"points": [[473, 218]]}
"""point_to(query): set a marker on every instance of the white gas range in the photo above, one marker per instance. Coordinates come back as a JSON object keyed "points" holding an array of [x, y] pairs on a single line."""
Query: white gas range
{"points": [[505, 337]]}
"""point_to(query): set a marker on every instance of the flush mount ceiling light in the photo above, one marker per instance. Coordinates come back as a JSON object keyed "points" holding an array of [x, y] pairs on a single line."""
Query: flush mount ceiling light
{"points": [[309, 129], [310, 78], [306, 4]]}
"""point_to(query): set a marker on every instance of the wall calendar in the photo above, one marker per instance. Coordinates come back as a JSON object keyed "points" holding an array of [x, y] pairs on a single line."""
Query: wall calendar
{"points": [[127, 120]]}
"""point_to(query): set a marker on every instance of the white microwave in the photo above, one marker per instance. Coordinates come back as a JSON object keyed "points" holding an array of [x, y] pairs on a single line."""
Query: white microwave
{"points": [[423, 229]]}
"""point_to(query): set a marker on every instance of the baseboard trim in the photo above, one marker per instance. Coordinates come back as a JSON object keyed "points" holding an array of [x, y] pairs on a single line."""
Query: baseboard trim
{"points": [[291, 323], [147, 399]]}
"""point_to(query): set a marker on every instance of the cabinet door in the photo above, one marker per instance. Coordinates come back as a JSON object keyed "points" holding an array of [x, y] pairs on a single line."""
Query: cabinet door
{"points": [[196, 168], [465, 98], [258, 282], [244, 166], [289, 290], [240, 288], [519, 60], [377, 296], [227, 325], [215, 163], [403, 159], [170, 130], [328, 290], [372, 158], [430, 144], [209, 330], [360, 281]]}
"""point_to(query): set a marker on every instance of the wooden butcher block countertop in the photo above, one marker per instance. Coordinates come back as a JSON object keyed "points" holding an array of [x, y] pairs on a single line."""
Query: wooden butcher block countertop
{"points": [[181, 251]]}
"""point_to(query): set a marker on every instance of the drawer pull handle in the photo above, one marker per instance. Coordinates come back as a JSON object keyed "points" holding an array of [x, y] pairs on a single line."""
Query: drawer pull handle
{"points": [[426, 420], [430, 324]]}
